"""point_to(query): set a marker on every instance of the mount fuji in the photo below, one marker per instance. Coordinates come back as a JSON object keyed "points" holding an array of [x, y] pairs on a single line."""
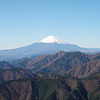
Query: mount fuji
{"points": [[50, 44], [52, 39]]}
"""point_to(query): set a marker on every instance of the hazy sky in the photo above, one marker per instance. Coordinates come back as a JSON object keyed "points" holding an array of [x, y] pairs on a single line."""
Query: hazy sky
{"points": [[23, 22]]}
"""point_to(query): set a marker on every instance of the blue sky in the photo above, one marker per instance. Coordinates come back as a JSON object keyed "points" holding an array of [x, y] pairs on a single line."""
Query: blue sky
{"points": [[23, 22]]}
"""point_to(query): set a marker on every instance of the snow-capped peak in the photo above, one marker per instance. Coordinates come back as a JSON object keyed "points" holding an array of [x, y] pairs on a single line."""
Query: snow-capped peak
{"points": [[52, 39]]}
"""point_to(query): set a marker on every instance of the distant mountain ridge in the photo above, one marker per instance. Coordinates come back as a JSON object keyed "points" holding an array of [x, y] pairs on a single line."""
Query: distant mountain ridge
{"points": [[49, 45], [61, 64], [57, 63], [85, 70], [5, 65], [14, 74]]}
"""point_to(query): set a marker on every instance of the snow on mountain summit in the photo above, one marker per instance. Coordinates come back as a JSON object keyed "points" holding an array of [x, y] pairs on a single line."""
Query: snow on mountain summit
{"points": [[52, 39]]}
